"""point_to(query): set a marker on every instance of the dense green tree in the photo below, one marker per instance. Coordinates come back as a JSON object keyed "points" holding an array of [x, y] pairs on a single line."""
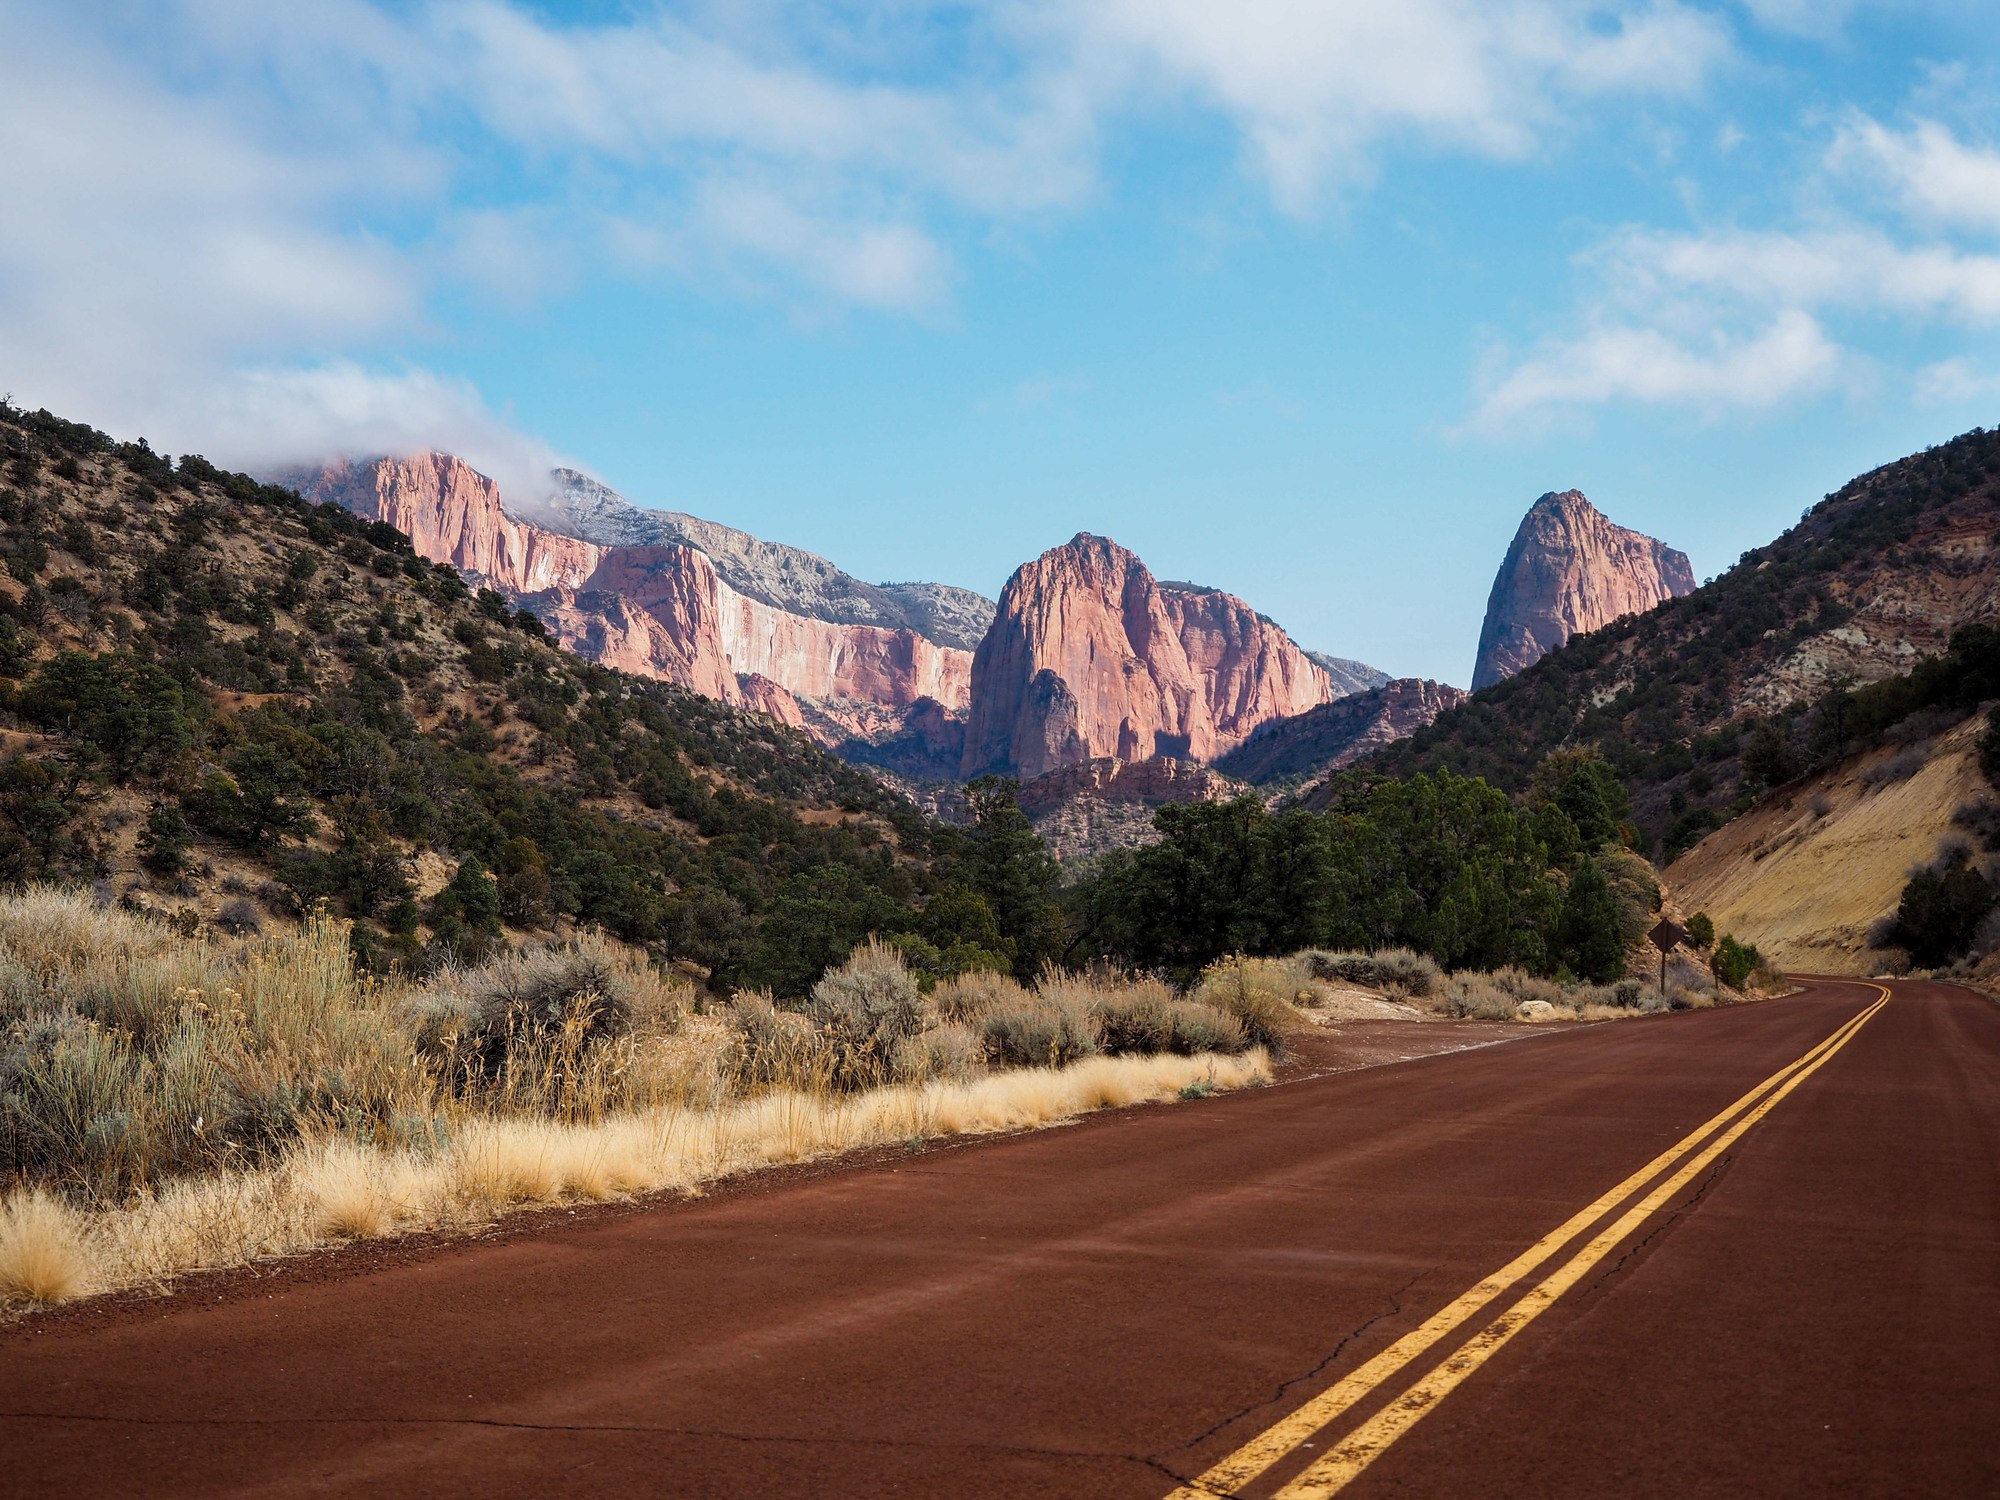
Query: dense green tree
{"points": [[1589, 940], [1442, 863], [817, 919], [465, 915], [119, 709], [165, 840], [1768, 758], [1941, 908], [40, 797], [1016, 875], [526, 894], [1989, 746], [1734, 962]]}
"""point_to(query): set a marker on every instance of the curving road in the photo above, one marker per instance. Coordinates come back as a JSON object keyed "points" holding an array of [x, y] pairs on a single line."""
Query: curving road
{"points": [[1753, 1251]]}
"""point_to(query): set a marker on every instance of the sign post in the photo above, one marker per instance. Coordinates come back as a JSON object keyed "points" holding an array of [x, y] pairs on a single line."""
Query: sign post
{"points": [[1667, 935]]}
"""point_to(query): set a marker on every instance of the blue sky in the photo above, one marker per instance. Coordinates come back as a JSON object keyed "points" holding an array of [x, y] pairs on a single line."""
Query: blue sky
{"points": [[1305, 300]]}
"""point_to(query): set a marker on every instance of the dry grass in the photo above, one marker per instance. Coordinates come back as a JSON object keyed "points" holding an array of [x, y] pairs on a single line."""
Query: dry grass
{"points": [[170, 1104], [42, 1254], [327, 1192], [1260, 994]]}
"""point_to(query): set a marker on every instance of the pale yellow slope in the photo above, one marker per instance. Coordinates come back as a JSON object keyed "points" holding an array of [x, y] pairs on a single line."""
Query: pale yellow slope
{"points": [[1805, 885]]}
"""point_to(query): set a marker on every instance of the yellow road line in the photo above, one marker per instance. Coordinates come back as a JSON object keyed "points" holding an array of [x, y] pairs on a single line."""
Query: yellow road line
{"points": [[1336, 1469], [1228, 1475]]}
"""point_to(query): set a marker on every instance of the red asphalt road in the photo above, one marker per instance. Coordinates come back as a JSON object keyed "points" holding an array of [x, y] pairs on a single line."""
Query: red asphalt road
{"points": [[1106, 1309]]}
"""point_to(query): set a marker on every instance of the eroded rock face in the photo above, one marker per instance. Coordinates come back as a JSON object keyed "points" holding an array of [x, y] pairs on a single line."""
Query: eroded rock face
{"points": [[656, 608], [1570, 570], [1090, 656]]}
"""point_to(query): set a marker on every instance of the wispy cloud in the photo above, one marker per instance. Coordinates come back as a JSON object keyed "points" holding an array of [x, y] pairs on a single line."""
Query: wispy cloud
{"points": [[1316, 87], [221, 212], [1713, 374], [1932, 175], [1731, 318]]}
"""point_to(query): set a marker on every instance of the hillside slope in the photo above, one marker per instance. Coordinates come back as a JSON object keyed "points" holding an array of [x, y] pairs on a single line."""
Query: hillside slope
{"points": [[219, 698], [1805, 874], [1872, 580]]}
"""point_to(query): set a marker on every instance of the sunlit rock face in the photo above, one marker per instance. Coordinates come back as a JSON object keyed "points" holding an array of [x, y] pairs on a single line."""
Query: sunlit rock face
{"points": [[1090, 655], [658, 605], [1568, 571]]}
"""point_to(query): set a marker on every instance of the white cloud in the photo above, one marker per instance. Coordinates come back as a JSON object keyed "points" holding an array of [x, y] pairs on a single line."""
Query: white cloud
{"points": [[882, 264], [1933, 175], [1857, 268], [221, 213], [1315, 85], [1739, 317], [148, 247], [264, 418], [1715, 374], [1955, 380]]}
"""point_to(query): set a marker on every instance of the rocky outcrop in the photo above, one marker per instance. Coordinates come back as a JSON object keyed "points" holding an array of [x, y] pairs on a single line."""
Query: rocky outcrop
{"points": [[1096, 805], [1348, 675], [1568, 571], [1090, 656], [1337, 734], [650, 601]]}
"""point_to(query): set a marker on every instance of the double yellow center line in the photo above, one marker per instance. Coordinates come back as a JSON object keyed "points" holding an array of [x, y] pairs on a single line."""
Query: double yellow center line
{"points": [[1335, 1469]]}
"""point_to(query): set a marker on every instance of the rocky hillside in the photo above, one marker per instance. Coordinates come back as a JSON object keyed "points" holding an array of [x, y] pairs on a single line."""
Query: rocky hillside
{"points": [[1710, 699], [1288, 752], [222, 700], [1569, 570], [1090, 656], [1095, 806], [673, 597]]}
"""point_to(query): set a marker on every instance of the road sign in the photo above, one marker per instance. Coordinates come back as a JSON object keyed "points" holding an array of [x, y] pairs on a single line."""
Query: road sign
{"points": [[1667, 935]]}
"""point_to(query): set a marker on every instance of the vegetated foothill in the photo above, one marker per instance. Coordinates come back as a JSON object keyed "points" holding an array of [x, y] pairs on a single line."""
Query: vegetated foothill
{"points": [[230, 705]]}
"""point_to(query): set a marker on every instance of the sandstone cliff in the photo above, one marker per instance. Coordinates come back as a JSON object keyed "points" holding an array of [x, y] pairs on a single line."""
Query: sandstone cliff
{"points": [[1089, 655], [1337, 734], [657, 607], [1570, 570]]}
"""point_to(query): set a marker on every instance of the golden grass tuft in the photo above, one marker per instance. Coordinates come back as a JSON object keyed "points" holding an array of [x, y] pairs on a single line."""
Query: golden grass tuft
{"points": [[200, 1103], [339, 1190], [43, 1255]]}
